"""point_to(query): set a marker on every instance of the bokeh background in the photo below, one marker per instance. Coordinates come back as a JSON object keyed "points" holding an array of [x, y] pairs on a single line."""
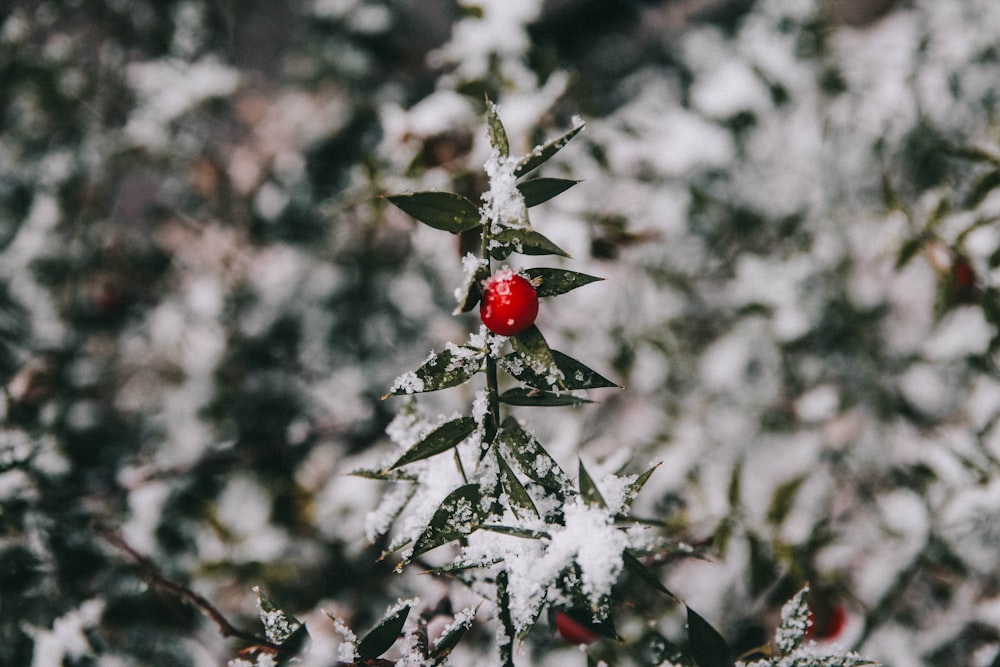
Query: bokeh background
{"points": [[203, 297]]}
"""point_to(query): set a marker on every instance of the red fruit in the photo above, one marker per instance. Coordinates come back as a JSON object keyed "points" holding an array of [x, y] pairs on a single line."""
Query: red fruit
{"points": [[827, 626], [509, 304], [574, 631]]}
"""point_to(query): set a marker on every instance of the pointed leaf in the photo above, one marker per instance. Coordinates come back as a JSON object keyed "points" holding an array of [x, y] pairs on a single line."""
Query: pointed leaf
{"points": [[536, 397], [498, 135], [453, 634], [982, 188], [635, 566], [574, 375], [531, 347], [794, 623], [541, 154], [441, 370], [588, 489], [635, 487], [707, 646], [460, 514], [531, 457], [552, 282], [783, 500], [379, 639], [506, 637], [280, 627], [523, 241], [514, 531], [440, 440], [520, 501], [578, 376], [540, 190], [442, 210]]}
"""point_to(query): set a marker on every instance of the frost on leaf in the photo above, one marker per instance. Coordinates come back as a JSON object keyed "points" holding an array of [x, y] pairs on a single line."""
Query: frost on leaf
{"points": [[280, 627], [449, 368], [794, 623]]}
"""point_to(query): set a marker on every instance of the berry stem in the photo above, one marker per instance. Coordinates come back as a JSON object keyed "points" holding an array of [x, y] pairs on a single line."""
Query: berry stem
{"points": [[492, 424]]}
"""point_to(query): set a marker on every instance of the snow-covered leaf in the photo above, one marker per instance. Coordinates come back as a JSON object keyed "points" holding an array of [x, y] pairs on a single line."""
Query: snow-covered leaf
{"points": [[588, 489], [441, 370], [280, 627], [460, 514], [523, 241], [449, 639], [541, 154], [794, 623], [440, 440], [525, 396], [520, 501], [568, 373], [442, 210], [635, 487], [498, 135], [531, 457]]}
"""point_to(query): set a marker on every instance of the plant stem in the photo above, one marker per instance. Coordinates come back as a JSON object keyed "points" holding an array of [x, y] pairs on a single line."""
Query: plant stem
{"points": [[492, 384]]}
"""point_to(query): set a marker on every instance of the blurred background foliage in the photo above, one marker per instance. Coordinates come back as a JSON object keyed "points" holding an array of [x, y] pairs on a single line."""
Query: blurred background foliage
{"points": [[202, 298]]}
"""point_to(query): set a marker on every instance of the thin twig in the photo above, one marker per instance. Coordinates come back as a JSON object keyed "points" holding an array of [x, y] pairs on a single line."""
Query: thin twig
{"points": [[151, 573]]}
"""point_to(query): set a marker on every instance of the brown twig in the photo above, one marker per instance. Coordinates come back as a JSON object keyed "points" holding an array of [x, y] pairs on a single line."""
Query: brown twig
{"points": [[151, 573]]}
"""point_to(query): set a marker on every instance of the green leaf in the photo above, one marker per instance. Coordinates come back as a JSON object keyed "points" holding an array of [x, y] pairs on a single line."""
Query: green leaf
{"points": [[520, 501], [541, 154], [523, 241], [574, 374], [783, 500], [507, 639], [442, 210], [531, 457], [383, 475], [498, 135], [514, 531], [280, 627], [635, 487], [447, 642], [540, 190], [530, 345], [588, 489], [552, 282], [635, 566], [460, 514], [982, 188], [379, 639], [525, 396], [442, 370], [909, 250], [578, 376], [707, 646], [440, 440]]}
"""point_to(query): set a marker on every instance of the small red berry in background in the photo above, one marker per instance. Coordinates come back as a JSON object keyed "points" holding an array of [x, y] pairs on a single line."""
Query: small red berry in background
{"points": [[509, 304], [964, 282], [574, 631], [826, 626]]}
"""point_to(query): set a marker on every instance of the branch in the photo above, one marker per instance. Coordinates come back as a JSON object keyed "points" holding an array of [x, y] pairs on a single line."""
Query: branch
{"points": [[151, 573]]}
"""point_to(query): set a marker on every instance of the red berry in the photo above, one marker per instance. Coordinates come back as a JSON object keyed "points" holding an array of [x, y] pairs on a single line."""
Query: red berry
{"points": [[828, 626], [509, 304], [574, 631]]}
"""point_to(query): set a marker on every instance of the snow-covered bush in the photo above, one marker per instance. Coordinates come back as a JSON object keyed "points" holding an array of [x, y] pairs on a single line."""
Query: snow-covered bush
{"points": [[204, 295]]}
